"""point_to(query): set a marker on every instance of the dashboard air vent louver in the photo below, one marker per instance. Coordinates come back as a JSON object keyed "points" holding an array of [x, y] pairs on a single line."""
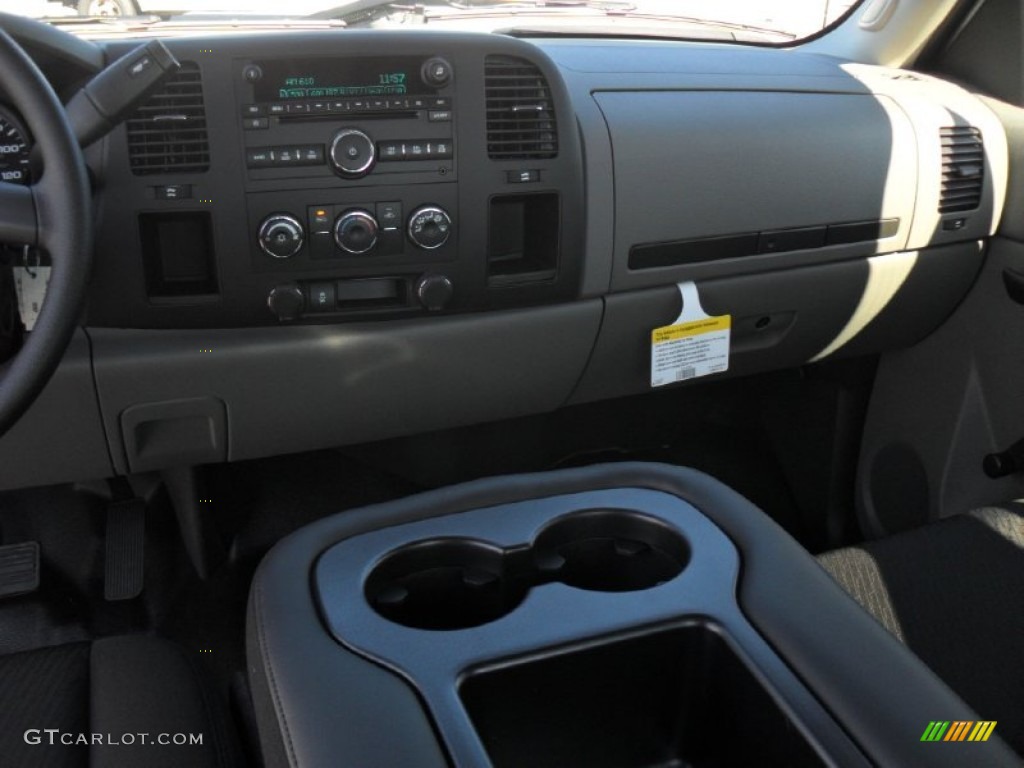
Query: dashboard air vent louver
{"points": [[963, 169], [520, 111], [167, 133]]}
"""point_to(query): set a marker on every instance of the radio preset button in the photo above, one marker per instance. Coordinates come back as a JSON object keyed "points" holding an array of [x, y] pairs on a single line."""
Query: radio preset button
{"points": [[259, 158], [277, 109], [439, 116], [389, 150], [252, 110], [277, 157], [312, 154], [417, 150]]}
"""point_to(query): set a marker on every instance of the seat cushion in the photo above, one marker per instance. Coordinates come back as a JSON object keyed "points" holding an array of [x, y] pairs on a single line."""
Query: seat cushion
{"points": [[111, 702], [953, 591]]}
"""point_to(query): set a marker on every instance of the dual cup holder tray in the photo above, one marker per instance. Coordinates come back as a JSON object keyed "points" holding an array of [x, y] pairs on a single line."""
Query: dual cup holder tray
{"points": [[590, 629]]}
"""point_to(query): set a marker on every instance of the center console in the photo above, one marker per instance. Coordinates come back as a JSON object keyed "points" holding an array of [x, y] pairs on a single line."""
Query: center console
{"points": [[622, 615], [293, 179]]}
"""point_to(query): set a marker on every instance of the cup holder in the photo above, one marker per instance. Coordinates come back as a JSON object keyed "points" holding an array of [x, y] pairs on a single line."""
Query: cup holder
{"points": [[452, 583], [611, 550], [444, 584]]}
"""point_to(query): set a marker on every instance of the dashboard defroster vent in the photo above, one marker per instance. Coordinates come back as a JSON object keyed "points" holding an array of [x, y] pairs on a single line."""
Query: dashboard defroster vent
{"points": [[520, 111], [963, 169], [167, 133]]}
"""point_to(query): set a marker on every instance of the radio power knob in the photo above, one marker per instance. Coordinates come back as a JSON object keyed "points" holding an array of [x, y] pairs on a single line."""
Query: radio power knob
{"points": [[281, 235], [352, 153], [355, 231], [429, 227]]}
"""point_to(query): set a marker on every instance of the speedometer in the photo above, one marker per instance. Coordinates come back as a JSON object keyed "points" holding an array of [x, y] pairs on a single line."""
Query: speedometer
{"points": [[14, 150]]}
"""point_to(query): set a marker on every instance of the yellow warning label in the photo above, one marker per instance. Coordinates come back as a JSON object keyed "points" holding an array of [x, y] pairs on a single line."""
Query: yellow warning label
{"points": [[692, 328], [690, 349]]}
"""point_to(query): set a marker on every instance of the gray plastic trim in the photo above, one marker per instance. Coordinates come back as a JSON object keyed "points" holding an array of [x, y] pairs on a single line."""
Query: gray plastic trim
{"points": [[939, 429], [60, 437], [294, 389], [702, 164]]}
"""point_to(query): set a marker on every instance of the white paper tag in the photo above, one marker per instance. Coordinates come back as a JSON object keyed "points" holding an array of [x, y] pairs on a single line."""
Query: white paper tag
{"points": [[694, 345], [30, 285]]}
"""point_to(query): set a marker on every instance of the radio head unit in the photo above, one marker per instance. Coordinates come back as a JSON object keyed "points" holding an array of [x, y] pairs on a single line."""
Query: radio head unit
{"points": [[347, 116]]}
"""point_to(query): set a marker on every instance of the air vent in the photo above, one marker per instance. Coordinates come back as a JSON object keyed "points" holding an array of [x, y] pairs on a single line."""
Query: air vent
{"points": [[963, 169], [520, 111], [167, 134]]}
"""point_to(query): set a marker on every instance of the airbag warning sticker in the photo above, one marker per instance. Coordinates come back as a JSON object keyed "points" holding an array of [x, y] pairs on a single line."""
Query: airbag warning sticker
{"points": [[689, 350]]}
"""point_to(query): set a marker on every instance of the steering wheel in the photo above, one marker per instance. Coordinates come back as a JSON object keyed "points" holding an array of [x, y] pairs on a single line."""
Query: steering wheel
{"points": [[55, 214]]}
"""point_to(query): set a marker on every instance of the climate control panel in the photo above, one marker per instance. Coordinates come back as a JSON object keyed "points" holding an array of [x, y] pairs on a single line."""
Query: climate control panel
{"points": [[311, 229], [336, 230]]}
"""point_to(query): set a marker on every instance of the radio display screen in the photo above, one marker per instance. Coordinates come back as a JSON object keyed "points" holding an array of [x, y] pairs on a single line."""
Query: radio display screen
{"points": [[285, 79]]}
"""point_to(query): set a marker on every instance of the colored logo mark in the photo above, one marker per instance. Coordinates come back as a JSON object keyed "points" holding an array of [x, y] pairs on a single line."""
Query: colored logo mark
{"points": [[958, 730]]}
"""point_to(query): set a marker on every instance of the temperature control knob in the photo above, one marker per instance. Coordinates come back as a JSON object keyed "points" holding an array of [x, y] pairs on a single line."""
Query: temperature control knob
{"points": [[352, 153], [281, 235], [430, 227], [286, 301], [355, 231]]}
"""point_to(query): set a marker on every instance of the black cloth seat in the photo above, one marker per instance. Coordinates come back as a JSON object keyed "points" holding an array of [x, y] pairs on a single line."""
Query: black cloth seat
{"points": [[101, 695], [953, 592]]}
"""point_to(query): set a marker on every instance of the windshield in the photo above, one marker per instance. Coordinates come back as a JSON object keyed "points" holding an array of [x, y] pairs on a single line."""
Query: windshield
{"points": [[749, 21]]}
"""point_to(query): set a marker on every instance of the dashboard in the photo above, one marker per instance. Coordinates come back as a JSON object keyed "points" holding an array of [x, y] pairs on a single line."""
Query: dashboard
{"points": [[308, 239]]}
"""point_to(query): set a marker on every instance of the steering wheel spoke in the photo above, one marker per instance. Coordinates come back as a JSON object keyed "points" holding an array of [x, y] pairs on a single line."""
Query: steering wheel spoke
{"points": [[19, 224]]}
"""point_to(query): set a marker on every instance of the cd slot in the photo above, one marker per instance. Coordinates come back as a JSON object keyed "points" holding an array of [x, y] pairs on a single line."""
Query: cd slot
{"points": [[324, 116]]}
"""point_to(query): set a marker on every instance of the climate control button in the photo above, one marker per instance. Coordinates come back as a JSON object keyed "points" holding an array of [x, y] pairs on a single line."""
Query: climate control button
{"points": [[355, 231], [286, 301], [352, 153], [434, 291], [281, 235], [429, 227]]}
